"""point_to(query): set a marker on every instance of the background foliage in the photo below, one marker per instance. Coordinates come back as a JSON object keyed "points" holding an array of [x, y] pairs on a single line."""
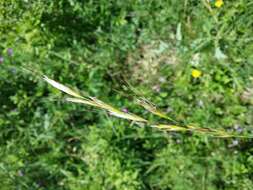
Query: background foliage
{"points": [[95, 46]]}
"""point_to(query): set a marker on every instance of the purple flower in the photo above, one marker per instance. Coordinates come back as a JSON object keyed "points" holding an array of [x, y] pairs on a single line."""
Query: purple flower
{"points": [[125, 110], [1, 59], [10, 51], [238, 128]]}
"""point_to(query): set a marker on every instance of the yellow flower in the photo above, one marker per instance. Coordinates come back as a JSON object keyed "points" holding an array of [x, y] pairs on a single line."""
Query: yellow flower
{"points": [[196, 73], [218, 3]]}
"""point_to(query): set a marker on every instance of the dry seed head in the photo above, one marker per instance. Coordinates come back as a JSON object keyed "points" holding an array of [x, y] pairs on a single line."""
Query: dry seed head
{"points": [[82, 101], [61, 87], [170, 127], [150, 107]]}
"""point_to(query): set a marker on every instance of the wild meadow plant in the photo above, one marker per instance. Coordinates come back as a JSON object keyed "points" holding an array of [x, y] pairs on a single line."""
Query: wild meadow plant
{"points": [[175, 126]]}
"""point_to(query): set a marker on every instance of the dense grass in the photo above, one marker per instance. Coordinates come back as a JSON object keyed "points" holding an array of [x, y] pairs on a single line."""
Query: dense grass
{"points": [[110, 49]]}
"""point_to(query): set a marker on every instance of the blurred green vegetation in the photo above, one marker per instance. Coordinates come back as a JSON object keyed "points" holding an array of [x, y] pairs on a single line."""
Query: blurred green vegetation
{"points": [[98, 46]]}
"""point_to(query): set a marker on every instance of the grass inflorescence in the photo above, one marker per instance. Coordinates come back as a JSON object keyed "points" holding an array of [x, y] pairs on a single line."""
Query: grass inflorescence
{"points": [[92, 101]]}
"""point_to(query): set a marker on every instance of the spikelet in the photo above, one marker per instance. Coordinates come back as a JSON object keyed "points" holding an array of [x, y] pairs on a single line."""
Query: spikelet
{"points": [[82, 101], [110, 109], [61, 87], [170, 127], [151, 108]]}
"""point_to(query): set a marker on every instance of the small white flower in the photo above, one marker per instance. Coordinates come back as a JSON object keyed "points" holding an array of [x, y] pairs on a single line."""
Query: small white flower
{"points": [[195, 59], [162, 79]]}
